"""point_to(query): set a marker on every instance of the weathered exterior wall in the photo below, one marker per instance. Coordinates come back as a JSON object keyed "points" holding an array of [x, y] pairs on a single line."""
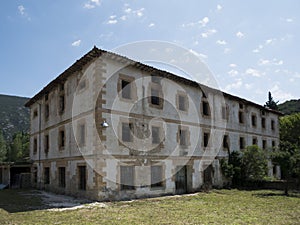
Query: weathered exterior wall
{"points": [[103, 151]]}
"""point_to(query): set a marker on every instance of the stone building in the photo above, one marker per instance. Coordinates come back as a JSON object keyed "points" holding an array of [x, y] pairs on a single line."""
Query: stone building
{"points": [[112, 128]]}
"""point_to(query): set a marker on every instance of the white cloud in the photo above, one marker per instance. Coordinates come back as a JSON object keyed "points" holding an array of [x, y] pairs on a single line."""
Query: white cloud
{"points": [[289, 20], [112, 21], [219, 7], [236, 85], [21, 9], [255, 50], [232, 65], [267, 62], [208, 33], [270, 41], [221, 42], [123, 17], [239, 34], [91, 4], [254, 73], [233, 73], [204, 21], [76, 43], [151, 25], [139, 12], [112, 17], [280, 95]]}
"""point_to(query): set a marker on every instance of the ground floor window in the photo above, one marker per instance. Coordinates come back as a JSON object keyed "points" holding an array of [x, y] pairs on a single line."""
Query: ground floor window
{"points": [[62, 177], [156, 176], [46, 175], [127, 177], [82, 177]]}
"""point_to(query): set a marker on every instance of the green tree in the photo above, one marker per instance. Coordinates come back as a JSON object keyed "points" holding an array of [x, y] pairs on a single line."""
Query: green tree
{"points": [[287, 155], [271, 104], [3, 148], [19, 147], [254, 163]]}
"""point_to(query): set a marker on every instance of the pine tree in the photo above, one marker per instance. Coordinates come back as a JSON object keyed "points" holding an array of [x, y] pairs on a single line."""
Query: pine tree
{"points": [[271, 104]]}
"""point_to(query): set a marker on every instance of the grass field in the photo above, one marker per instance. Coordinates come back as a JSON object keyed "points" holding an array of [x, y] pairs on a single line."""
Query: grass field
{"points": [[216, 207]]}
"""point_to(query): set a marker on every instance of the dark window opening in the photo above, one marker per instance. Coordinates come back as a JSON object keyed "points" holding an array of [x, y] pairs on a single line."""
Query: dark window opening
{"points": [[126, 89], [205, 108], [205, 139], [155, 79], [46, 143], [254, 141], [35, 145], [62, 177], [82, 177], [263, 122], [155, 100], [254, 120], [61, 138], [47, 111], [272, 124], [224, 112], [46, 175], [82, 134], [264, 144], [61, 103], [242, 143], [183, 137], [241, 117], [226, 142]]}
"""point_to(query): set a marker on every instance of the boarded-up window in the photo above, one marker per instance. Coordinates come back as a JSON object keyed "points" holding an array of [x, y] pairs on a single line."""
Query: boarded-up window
{"points": [[62, 177], [46, 175], [127, 177], [82, 177], [156, 176], [81, 131], [182, 104], [127, 129], [155, 135]]}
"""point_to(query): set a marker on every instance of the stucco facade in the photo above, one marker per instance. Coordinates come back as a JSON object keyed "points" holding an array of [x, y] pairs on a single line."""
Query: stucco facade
{"points": [[165, 134]]}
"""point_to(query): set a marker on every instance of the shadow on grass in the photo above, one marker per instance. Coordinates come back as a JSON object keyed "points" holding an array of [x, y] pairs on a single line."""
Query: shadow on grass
{"points": [[22, 200], [277, 194]]}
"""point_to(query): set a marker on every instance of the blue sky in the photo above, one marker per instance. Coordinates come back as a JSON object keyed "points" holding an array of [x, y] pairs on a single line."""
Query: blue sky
{"points": [[251, 47]]}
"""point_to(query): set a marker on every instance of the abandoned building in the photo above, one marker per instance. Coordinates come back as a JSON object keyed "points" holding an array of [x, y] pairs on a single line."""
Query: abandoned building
{"points": [[112, 128]]}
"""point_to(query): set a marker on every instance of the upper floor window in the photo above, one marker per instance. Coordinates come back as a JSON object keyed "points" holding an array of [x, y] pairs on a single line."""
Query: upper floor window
{"points": [[47, 111], [205, 108], [241, 117], [254, 120], [126, 87], [205, 139], [182, 102], [155, 100], [46, 144], [254, 141], [81, 134], [264, 144], [183, 137], [61, 103], [224, 112], [61, 138], [263, 122], [226, 142], [35, 113], [155, 135], [155, 79], [34, 145], [127, 129], [272, 124]]}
